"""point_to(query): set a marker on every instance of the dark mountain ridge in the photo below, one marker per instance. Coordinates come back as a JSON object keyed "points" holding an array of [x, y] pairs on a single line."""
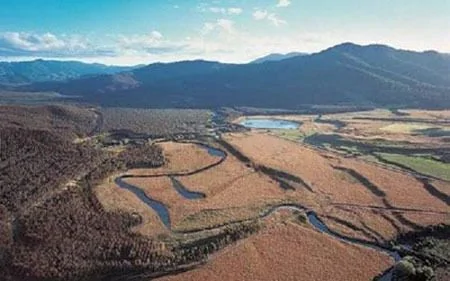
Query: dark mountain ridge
{"points": [[12, 73], [347, 74]]}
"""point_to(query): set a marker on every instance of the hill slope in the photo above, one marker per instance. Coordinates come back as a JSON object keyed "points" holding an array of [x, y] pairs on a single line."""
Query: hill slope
{"points": [[345, 74], [41, 70]]}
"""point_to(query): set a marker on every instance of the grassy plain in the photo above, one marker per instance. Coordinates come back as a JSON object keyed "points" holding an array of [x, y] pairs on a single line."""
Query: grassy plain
{"points": [[355, 197], [180, 158], [369, 201], [422, 165], [289, 251]]}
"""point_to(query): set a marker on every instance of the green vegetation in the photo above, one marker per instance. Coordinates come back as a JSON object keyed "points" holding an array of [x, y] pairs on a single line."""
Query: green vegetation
{"points": [[404, 128], [422, 165], [293, 135]]}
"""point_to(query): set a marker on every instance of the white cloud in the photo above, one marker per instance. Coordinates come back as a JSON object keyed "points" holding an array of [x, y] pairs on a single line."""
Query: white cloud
{"points": [[221, 25], [156, 34], [283, 3], [235, 11], [47, 44], [219, 40], [225, 11], [143, 40], [227, 25], [273, 18], [260, 15]]}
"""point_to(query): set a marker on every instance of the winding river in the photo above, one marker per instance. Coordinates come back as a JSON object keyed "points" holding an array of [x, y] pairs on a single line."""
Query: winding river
{"points": [[163, 212], [183, 191]]}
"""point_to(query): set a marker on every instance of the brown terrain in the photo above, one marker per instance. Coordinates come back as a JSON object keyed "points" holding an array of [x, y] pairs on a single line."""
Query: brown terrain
{"points": [[181, 158], [364, 195], [261, 207], [289, 251], [353, 197]]}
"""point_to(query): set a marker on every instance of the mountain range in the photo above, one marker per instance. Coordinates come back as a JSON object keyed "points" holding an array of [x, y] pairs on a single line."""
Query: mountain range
{"points": [[12, 73], [346, 74], [278, 57]]}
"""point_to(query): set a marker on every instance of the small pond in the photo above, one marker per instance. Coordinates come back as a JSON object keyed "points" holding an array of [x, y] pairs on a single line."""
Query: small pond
{"points": [[260, 123]]}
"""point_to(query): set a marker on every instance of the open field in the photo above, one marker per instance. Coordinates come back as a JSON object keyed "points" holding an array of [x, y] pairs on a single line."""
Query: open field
{"points": [[415, 140], [415, 126], [365, 186], [288, 251], [422, 165], [353, 198], [114, 199], [180, 158], [222, 186]]}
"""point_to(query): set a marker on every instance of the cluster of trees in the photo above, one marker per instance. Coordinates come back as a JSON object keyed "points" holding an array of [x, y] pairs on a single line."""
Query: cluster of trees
{"points": [[200, 249], [34, 162], [156, 122], [65, 121], [142, 156]]}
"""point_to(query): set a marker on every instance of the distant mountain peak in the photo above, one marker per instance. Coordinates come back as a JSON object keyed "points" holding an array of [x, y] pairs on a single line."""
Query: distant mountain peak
{"points": [[350, 47], [277, 57]]}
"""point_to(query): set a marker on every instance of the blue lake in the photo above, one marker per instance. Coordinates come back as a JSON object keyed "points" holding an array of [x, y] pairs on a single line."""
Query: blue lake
{"points": [[269, 124]]}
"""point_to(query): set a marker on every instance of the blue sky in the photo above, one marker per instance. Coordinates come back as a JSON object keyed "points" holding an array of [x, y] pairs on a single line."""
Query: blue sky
{"points": [[145, 31]]}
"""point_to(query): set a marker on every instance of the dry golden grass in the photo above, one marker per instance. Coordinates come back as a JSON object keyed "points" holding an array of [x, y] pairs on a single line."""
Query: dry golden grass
{"points": [[390, 189], [241, 198], [367, 224], [215, 180], [374, 129], [442, 186], [114, 198], [391, 131], [428, 114], [180, 158], [313, 167], [290, 251], [423, 219], [402, 190], [232, 189]]}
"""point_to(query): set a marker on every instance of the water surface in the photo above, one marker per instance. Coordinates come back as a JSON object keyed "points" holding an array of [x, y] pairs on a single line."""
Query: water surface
{"points": [[159, 207], [268, 123], [186, 193]]}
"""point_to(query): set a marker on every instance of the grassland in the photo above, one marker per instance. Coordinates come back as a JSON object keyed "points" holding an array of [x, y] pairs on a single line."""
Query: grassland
{"points": [[353, 196], [289, 251], [404, 128], [366, 200], [180, 158], [420, 164], [222, 185]]}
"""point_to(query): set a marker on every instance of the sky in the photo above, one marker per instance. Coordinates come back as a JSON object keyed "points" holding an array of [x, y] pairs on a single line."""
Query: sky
{"points": [[128, 32]]}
